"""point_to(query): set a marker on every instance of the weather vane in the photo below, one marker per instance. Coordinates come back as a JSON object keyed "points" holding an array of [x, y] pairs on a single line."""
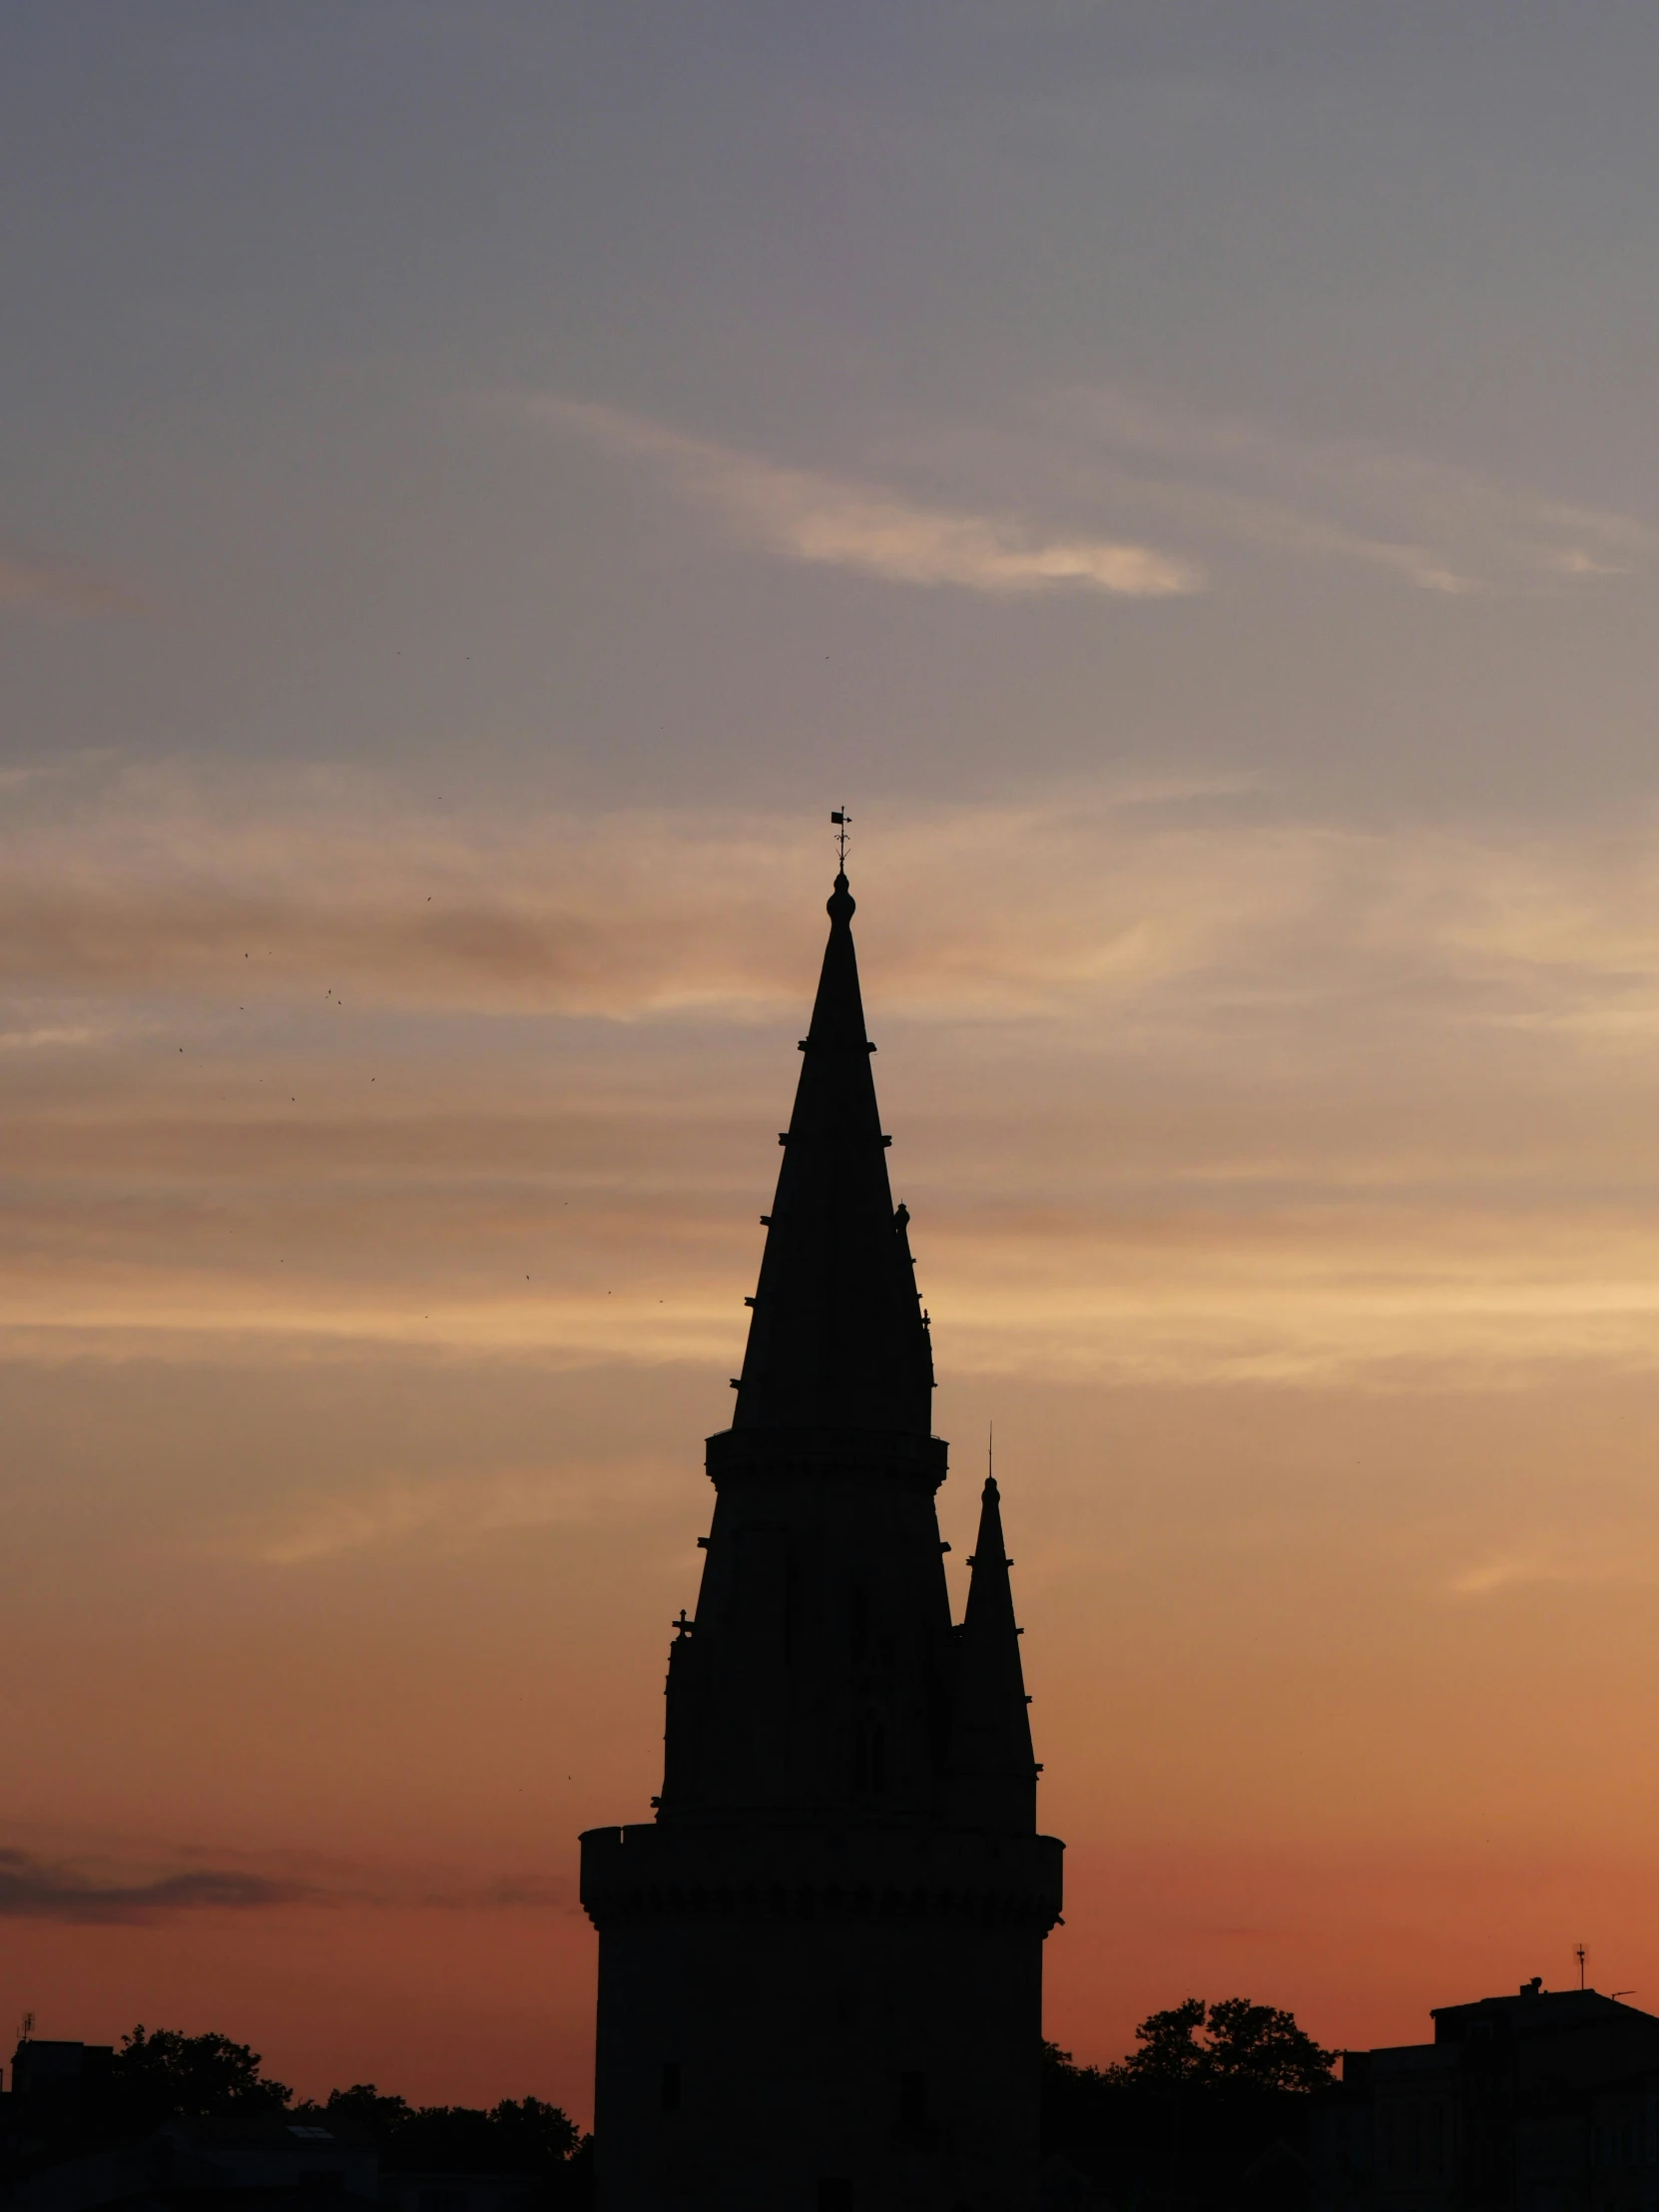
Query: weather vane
{"points": [[841, 819]]}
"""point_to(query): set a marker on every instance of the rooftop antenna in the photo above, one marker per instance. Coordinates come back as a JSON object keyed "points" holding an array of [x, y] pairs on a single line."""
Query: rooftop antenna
{"points": [[990, 1451], [25, 2028], [1580, 1955], [841, 822]]}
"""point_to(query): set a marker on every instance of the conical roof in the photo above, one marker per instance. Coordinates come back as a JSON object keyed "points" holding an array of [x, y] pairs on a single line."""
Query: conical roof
{"points": [[992, 1776], [837, 1338]]}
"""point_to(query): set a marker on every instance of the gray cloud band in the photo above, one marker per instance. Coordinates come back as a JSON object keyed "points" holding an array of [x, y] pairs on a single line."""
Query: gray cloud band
{"points": [[37, 1888]]}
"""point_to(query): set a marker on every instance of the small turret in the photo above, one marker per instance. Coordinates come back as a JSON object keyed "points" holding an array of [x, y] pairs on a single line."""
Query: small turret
{"points": [[992, 1777]]}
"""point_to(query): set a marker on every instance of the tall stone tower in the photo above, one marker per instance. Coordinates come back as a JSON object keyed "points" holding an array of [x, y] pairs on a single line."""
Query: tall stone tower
{"points": [[821, 1965]]}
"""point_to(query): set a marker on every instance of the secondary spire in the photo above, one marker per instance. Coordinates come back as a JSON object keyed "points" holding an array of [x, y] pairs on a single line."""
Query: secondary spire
{"points": [[993, 1776]]}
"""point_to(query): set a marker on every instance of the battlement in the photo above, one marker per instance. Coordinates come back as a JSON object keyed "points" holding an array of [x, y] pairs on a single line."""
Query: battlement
{"points": [[651, 1873]]}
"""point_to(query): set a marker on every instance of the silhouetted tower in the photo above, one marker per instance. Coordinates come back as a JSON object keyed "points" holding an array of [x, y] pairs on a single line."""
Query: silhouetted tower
{"points": [[821, 1966]]}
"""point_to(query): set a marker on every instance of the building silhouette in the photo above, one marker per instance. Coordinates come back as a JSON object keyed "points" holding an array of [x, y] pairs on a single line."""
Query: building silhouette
{"points": [[1545, 2101], [821, 1965]]}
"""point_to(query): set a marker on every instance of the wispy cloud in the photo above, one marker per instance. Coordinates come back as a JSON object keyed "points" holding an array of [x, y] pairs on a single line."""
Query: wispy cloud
{"points": [[1200, 1087], [62, 591], [1567, 1559], [843, 523], [1437, 524], [450, 1514], [158, 882], [1156, 470], [58, 1889], [45, 1039], [1172, 901], [43, 1886]]}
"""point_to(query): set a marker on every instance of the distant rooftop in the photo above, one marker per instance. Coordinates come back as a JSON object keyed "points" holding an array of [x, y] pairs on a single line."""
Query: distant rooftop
{"points": [[1533, 2009]]}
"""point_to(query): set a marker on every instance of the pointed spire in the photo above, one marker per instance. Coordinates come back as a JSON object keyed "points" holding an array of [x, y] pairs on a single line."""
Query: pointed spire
{"points": [[992, 1776], [837, 1338]]}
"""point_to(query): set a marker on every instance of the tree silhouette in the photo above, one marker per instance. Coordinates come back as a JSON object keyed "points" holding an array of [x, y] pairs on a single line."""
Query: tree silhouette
{"points": [[363, 2109], [1258, 2044], [163, 2074], [167, 2075], [518, 2135], [1243, 2045], [1212, 2106]]}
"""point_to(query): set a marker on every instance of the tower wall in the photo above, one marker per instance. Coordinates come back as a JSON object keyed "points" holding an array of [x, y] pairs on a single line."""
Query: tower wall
{"points": [[819, 1674], [807, 2021]]}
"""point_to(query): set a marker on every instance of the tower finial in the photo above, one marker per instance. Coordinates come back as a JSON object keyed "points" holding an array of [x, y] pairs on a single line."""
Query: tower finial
{"points": [[842, 906]]}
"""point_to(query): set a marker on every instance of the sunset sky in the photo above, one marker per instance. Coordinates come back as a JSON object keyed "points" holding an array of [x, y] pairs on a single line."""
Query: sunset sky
{"points": [[482, 481]]}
